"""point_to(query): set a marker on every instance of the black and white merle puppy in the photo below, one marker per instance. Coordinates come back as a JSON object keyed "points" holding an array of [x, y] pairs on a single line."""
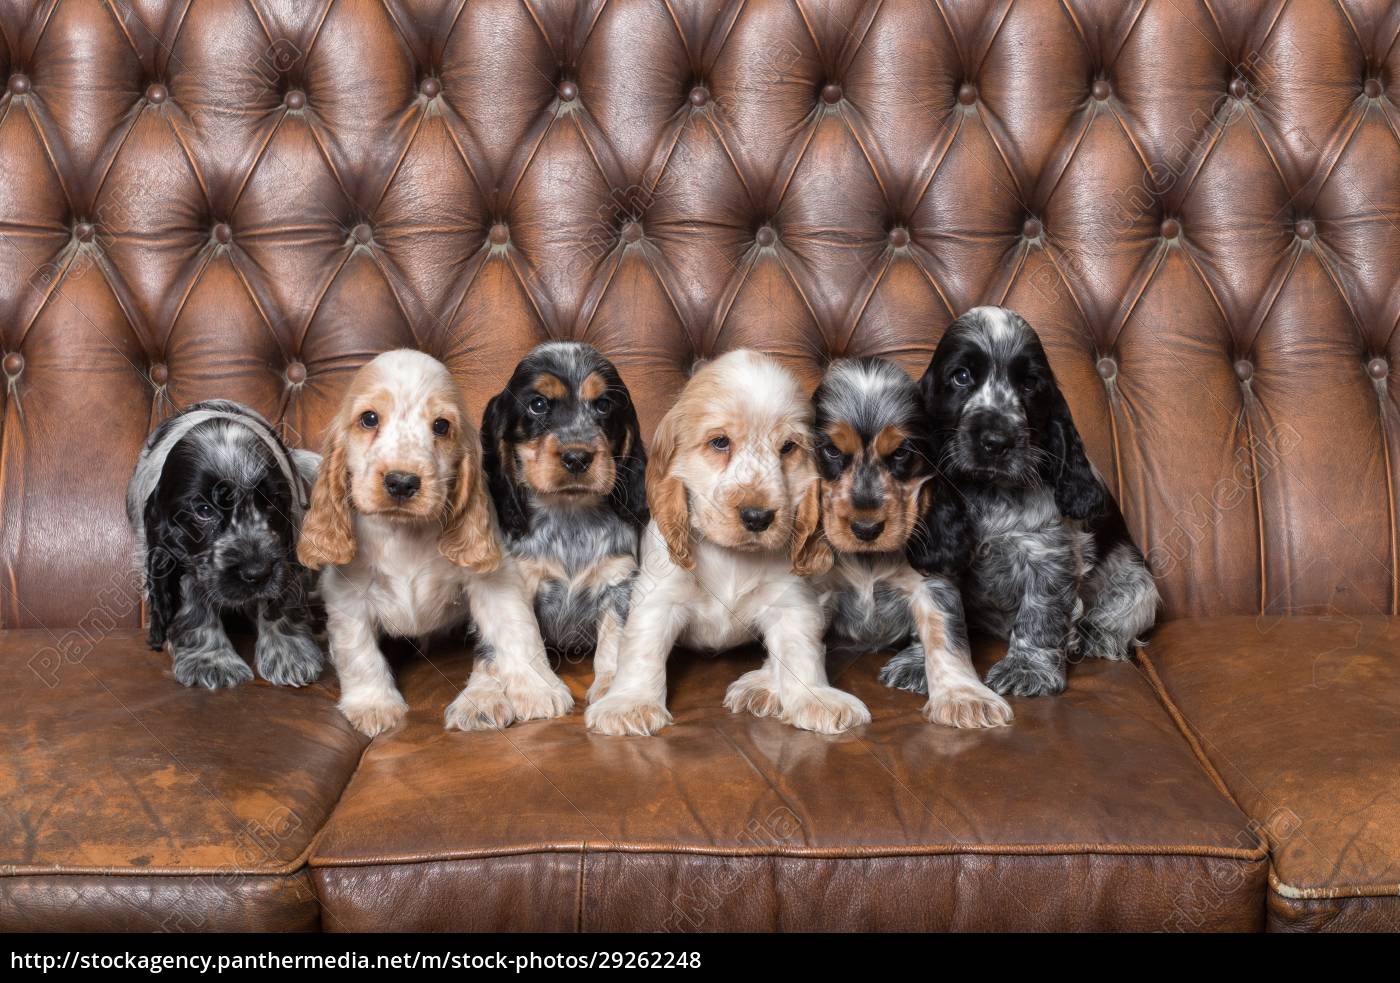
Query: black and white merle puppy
{"points": [[564, 461], [215, 501], [883, 506], [1054, 570]]}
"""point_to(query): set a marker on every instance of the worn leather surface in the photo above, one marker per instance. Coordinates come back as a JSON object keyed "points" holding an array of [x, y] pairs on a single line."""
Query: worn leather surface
{"points": [[1297, 718], [1088, 811], [201, 805]]}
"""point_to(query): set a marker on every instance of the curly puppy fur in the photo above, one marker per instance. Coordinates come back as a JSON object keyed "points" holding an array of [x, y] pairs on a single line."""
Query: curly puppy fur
{"points": [[564, 461], [1054, 570], [882, 499]]}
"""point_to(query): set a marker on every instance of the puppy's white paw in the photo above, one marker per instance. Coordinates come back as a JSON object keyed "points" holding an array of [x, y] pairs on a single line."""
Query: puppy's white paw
{"points": [[965, 705], [372, 717], [618, 715], [602, 682], [826, 710], [482, 708], [537, 697], [753, 693]]}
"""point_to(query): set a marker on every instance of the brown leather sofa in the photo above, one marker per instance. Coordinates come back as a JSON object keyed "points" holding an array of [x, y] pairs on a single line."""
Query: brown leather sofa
{"points": [[1196, 203]]}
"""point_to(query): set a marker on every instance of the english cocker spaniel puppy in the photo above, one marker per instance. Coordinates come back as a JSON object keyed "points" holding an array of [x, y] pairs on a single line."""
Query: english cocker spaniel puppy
{"points": [[734, 533], [402, 527], [1054, 570], [564, 461], [215, 501], [883, 503]]}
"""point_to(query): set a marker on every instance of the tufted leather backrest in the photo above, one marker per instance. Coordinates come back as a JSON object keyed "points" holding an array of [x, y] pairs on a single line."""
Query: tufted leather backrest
{"points": [[1195, 202]]}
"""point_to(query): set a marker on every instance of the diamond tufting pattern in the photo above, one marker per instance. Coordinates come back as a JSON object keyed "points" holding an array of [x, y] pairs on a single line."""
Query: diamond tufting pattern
{"points": [[1195, 201]]}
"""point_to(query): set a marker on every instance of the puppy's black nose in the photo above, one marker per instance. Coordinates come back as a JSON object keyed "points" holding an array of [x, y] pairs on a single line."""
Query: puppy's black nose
{"points": [[867, 531], [576, 461], [756, 520], [995, 442], [401, 485], [254, 570]]}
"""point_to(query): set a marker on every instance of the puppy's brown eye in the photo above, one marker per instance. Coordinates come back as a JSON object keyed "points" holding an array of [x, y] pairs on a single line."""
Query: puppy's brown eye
{"points": [[441, 427], [720, 443], [369, 419], [788, 448], [832, 452], [539, 406], [900, 455], [961, 378], [602, 405], [204, 511]]}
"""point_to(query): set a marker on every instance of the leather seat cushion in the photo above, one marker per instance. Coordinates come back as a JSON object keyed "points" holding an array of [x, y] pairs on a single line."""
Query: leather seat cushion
{"points": [[132, 802], [1089, 812], [1297, 718]]}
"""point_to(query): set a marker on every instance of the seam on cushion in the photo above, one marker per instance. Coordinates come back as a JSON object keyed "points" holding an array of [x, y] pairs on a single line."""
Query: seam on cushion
{"points": [[1325, 893], [578, 918], [1187, 731], [854, 853]]}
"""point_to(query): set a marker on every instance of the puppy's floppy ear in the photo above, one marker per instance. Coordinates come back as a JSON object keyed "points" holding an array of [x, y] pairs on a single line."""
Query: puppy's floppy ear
{"points": [[811, 555], [943, 536], [163, 573], [666, 496], [629, 490], [469, 537], [327, 536], [1078, 491], [509, 496]]}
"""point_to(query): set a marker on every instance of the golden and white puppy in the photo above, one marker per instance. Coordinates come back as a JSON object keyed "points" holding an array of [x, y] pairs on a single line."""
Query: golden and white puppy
{"points": [[734, 533], [403, 526]]}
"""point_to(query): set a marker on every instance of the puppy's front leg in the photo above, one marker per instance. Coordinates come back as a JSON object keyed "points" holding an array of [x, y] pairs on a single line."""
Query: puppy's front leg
{"points": [[614, 601], [200, 651], [635, 704], [511, 652], [956, 696], [286, 652], [368, 697], [1035, 658], [794, 674]]}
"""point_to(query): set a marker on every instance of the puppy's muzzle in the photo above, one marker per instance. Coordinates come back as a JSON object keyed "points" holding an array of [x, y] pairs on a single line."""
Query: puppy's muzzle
{"points": [[576, 459], [756, 519], [867, 532], [255, 571], [402, 485]]}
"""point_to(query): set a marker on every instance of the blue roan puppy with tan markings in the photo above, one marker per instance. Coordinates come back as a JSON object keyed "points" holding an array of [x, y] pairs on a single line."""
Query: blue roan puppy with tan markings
{"points": [[1054, 570], [883, 503], [564, 462]]}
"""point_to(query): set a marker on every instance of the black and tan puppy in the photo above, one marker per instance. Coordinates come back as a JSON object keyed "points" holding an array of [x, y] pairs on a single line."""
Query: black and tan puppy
{"points": [[566, 468], [883, 504]]}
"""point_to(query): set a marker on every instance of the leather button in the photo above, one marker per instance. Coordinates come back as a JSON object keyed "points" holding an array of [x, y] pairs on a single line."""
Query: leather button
{"points": [[699, 96], [766, 236], [295, 99], [1101, 90], [431, 87], [1373, 89], [362, 233], [568, 91], [19, 83], [156, 93], [296, 373], [1107, 367], [1032, 229], [1305, 229], [500, 235], [1171, 228], [1239, 88], [1377, 368], [160, 375], [831, 93], [84, 231], [899, 237], [1244, 370], [222, 233], [632, 231], [967, 93], [14, 363]]}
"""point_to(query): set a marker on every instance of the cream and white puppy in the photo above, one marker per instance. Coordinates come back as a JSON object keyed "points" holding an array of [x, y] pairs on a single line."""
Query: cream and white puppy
{"points": [[735, 530], [403, 526]]}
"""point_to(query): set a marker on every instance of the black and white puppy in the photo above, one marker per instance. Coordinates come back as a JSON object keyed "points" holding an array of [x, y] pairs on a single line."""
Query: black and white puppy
{"points": [[562, 451], [215, 501], [883, 504], [1054, 570]]}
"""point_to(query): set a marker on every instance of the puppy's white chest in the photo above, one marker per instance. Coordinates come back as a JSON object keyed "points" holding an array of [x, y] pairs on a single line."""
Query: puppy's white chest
{"points": [[412, 587]]}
